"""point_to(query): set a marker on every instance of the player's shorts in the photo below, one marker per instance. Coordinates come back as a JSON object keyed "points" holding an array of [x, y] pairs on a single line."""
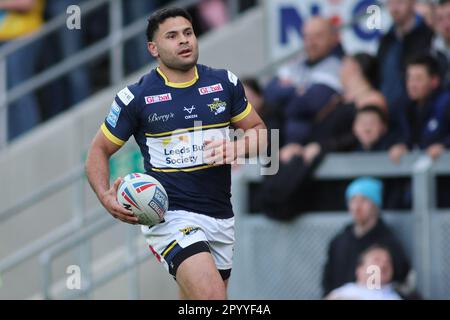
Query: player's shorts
{"points": [[183, 234]]}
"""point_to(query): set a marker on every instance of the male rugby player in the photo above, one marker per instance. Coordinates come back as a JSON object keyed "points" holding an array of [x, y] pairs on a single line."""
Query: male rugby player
{"points": [[180, 115]]}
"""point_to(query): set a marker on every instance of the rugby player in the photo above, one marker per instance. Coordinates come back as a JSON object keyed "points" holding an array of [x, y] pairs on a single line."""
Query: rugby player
{"points": [[180, 115]]}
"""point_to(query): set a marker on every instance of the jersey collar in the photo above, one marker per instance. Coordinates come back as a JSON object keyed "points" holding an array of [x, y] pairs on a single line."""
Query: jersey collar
{"points": [[178, 84]]}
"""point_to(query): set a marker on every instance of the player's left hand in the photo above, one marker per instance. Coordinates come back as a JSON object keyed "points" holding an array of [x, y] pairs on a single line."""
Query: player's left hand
{"points": [[219, 152]]}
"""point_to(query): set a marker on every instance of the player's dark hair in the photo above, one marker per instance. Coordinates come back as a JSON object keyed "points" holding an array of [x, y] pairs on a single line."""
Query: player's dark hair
{"points": [[428, 61], [374, 109], [160, 16]]}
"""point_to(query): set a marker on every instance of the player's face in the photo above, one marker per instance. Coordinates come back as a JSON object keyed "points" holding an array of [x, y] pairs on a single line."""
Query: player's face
{"points": [[175, 44]]}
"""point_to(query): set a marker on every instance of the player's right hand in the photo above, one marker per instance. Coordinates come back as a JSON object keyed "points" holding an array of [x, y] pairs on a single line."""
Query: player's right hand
{"points": [[109, 201]]}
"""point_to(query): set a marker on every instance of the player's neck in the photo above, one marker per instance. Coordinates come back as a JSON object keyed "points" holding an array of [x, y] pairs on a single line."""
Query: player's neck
{"points": [[178, 76]]}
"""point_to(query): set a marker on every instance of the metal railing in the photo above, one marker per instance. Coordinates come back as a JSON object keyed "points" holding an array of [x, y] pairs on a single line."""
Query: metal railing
{"points": [[112, 44], [416, 165]]}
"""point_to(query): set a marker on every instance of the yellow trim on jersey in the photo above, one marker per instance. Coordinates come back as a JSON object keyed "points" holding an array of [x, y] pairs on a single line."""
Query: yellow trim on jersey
{"points": [[184, 170], [169, 248], [110, 136], [168, 133], [243, 114], [178, 84]]}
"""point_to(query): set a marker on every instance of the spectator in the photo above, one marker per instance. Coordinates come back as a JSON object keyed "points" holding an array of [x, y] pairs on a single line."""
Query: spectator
{"points": [[303, 86], [209, 14], [272, 116], [364, 198], [136, 53], [425, 122], [408, 36], [370, 129], [441, 42], [330, 132], [374, 274], [76, 86], [331, 128], [21, 18], [427, 10]]}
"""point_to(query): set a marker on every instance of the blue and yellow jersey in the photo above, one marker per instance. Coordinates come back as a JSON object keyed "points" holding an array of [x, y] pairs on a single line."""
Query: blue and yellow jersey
{"points": [[170, 122], [15, 24]]}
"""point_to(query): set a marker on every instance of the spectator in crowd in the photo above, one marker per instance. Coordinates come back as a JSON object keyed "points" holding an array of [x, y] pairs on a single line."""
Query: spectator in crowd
{"points": [[374, 275], [370, 129], [330, 132], [272, 117], [408, 36], [364, 198], [331, 128], [76, 85], [427, 10], [209, 14], [303, 86], [425, 122], [441, 42], [136, 53], [18, 19]]}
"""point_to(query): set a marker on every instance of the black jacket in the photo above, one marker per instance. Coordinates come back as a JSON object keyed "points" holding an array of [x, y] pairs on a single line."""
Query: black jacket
{"points": [[345, 248]]}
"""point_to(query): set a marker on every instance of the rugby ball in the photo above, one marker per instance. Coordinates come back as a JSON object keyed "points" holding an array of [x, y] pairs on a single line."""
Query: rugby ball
{"points": [[144, 196]]}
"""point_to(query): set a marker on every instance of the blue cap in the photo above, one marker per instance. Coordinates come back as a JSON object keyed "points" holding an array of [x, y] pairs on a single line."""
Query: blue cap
{"points": [[369, 188]]}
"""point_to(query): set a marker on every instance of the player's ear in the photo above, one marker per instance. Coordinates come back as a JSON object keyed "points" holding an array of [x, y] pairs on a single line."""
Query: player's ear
{"points": [[151, 46]]}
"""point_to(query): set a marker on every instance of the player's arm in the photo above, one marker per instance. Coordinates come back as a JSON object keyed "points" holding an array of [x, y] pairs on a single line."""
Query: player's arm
{"points": [[97, 172], [249, 145]]}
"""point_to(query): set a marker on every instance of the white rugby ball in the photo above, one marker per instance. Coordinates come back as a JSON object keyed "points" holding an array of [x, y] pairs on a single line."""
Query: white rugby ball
{"points": [[144, 196]]}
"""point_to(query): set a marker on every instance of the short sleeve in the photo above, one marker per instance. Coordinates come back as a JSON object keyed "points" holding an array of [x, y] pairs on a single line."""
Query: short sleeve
{"points": [[240, 107], [120, 123]]}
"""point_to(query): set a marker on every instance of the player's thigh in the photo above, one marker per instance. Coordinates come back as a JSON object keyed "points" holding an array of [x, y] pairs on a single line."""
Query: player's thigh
{"points": [[199, 278]]}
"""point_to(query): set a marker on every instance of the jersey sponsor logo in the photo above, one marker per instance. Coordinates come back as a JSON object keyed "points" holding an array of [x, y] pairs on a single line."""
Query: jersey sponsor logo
{"points": [[125, 96], [232, 77], [190, 110], [154, 117], [210, 89], [217, 106], [113, 115], [182, 150], [158, 98]]}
